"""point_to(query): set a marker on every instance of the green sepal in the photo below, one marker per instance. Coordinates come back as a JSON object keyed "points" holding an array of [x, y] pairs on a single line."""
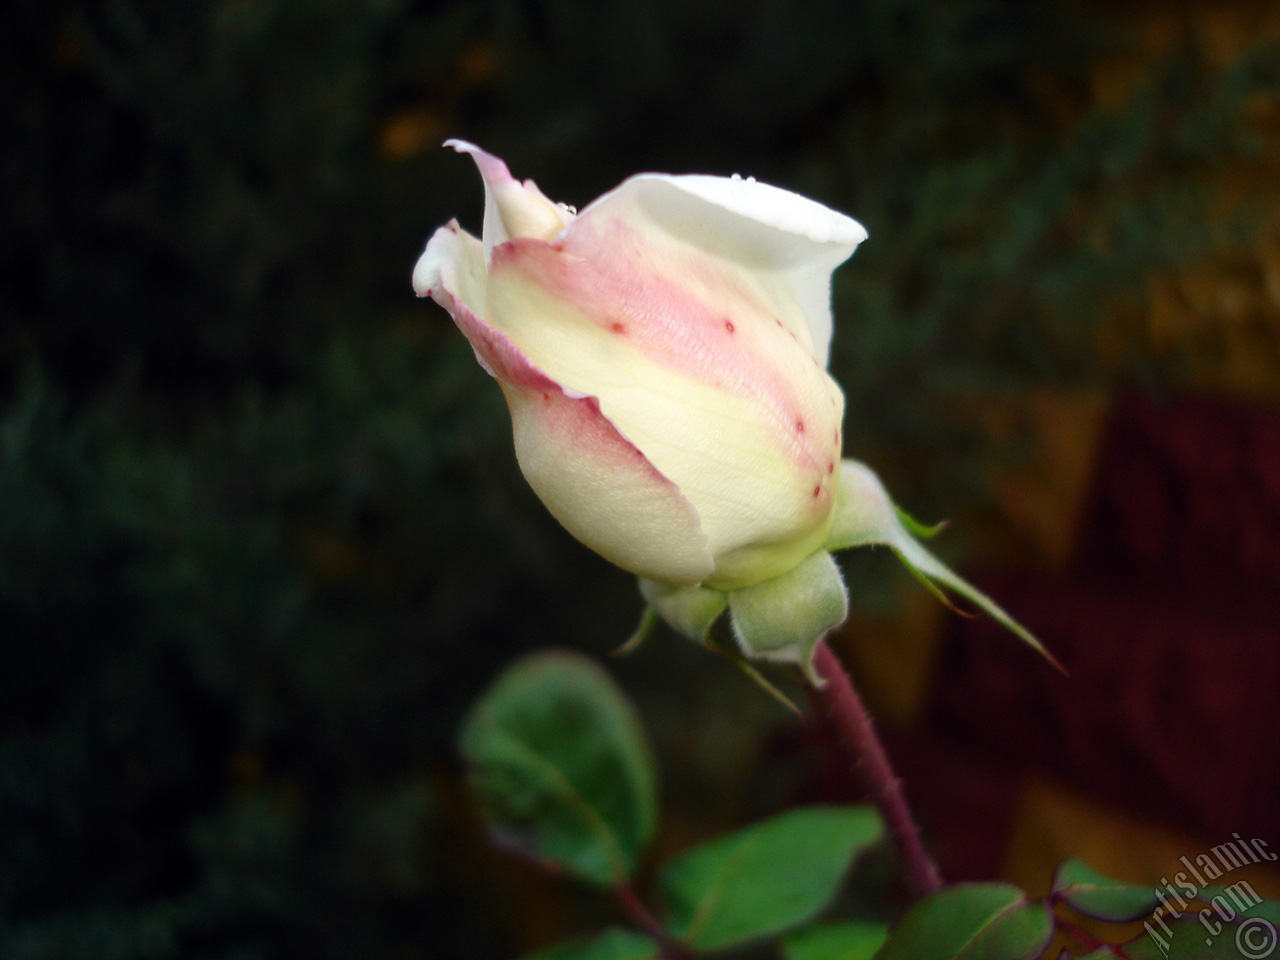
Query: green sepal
{"points": [[689, 611], [692, 611], [648, 620], [916, 528], [763, 682], [866, 515], [784, 618]]}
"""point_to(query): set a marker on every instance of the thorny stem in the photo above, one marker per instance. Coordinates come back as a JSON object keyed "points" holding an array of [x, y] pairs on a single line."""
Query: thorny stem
{"points": [[634, 907], [854, 727]]}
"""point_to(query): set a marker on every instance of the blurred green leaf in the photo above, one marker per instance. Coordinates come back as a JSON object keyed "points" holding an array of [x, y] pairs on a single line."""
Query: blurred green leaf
{"points": [[1082, 887], [613, 944], [849, 940], [971, 921], [1242, 899], [1206, 933], [1190, 940], [561, 768], [764, 879], [1145, 946]]}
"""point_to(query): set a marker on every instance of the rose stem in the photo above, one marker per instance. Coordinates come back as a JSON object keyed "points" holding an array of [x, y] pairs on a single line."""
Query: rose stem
{"points": [[634, 908], [853, 726]]}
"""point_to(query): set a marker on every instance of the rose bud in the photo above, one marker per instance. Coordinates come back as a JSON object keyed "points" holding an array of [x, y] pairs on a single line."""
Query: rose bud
{"points": [[663, 355]]}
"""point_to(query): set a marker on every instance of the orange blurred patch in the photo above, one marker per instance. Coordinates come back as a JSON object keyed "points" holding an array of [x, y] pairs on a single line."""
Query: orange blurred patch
{"points": [[409, 132]]}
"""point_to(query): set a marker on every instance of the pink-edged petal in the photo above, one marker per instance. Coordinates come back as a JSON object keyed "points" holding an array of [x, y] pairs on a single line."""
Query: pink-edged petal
{"points": [[786, 244], [511, 208], [453, 258], [693, 369], [600, 487]]}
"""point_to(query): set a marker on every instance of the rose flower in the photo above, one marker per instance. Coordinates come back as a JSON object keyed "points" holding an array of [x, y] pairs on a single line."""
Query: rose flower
{"points": [[663, 354]]}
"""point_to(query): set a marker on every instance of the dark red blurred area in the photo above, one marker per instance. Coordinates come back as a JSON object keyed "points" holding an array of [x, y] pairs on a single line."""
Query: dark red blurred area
{"points": [[1168, 621]]}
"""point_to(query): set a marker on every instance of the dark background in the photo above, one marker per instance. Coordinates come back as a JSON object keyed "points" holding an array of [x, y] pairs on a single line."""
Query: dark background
{"points": [[262, 537]]}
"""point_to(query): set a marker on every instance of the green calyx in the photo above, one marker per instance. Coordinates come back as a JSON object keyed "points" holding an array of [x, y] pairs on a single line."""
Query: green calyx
{"points": [[689, 611], [784, 618], [780, 619], [865, 515]]}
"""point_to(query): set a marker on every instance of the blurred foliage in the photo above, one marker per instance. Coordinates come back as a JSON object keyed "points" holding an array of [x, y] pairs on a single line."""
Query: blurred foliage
{"points": [[262, 537]]}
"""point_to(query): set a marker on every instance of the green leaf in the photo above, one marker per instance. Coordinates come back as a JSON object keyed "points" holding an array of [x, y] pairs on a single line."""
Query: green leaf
{"points": [[848, 940], [765, 879], [866, 515], [561, 768], [614, 944], [972, 921], [784, 618], [1237, 923], [1205, 933], [1188, 938], [1242, 899], [1088, 891]]}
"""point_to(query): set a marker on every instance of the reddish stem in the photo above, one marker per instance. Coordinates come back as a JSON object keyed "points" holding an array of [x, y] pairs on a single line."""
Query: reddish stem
{"points": [[854, 727], [634, 908], [1089, 940]]}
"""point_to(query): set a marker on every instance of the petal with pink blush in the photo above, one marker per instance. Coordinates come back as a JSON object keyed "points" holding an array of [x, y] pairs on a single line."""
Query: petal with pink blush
{"points": [[785, 244], [694, 370], [600, 487], [511, 208]]}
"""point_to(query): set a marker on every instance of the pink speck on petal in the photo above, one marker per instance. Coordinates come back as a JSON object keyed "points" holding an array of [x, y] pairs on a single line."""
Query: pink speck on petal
{"points": [[599, 263]]}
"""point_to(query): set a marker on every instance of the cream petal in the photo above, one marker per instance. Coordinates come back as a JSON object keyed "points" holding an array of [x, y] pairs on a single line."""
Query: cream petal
{"points": [[788, 244], [600, 487], [453, 258], [737, 412]]}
